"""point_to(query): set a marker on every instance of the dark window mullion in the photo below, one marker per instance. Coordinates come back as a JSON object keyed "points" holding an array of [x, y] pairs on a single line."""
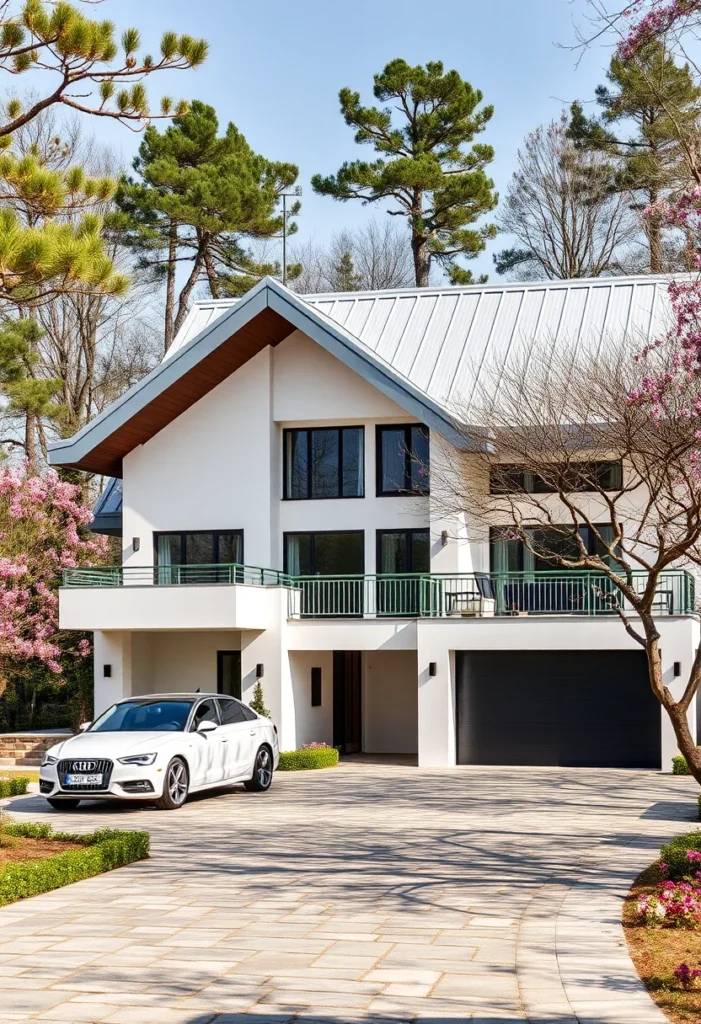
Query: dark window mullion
{"points": [[339, 471], [408, 450], [310, 464]]}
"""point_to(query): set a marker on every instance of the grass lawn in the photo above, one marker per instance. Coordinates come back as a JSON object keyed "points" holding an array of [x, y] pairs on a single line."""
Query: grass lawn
{"points": [[656, 952], [26, 773]]}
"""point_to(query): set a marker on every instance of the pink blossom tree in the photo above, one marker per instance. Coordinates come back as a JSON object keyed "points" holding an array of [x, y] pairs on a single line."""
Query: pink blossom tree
{"points": [[42, 531]]}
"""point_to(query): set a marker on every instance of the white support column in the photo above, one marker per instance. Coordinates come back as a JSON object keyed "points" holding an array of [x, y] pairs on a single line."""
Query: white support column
{"points": [[112, 649], [269, 649], [678, 643], [436, 697]]}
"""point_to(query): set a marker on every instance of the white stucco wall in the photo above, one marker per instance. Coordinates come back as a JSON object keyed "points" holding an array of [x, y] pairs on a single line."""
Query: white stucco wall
{"points": [[390, 702], [312, 724], [179, 662]]}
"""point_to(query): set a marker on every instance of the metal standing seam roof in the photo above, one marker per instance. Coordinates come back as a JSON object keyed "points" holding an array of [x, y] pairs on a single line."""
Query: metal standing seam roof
{"points": [[442, 339]]}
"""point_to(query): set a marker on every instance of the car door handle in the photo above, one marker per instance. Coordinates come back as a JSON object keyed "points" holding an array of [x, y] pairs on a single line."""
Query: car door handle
{"points": [[224, 739], [253, 732]]}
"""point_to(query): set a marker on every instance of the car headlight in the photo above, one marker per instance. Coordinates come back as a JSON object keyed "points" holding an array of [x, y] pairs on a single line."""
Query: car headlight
{"points": [[49, 760], [138, 759]]}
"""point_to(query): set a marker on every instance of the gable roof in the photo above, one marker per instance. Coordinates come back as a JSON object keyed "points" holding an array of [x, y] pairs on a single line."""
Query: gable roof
{"points": [[425, 348]]}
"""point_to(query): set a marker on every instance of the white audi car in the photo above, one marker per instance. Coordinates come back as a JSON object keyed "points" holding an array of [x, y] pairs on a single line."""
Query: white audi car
{"points": [[161, 748]]}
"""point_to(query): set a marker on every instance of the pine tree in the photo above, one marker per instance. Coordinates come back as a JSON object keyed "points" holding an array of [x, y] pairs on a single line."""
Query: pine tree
{"points": [[196, 196], [345, 278], [257, 702], [649, 108], [424, 164]]}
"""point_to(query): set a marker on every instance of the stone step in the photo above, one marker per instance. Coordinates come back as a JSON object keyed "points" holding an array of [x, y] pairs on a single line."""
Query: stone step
{"points": [[22, 762]]}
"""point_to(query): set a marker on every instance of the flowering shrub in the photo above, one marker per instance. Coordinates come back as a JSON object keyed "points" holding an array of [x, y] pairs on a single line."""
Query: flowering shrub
{"points": [[676, 905], [41, 519], [681, 856], [687, 976], [315, 746]]}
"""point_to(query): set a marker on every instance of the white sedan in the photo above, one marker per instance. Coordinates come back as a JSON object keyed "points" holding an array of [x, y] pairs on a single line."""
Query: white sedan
{"points": [[161, 748]]}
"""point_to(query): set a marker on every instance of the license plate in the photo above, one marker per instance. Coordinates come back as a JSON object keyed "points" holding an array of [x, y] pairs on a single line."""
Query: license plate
{"points": [[83, 780]]}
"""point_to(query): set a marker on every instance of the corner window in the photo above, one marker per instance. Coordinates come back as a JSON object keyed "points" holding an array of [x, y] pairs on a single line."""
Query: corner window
{"points": [[402, 460], [510, 555], [326, 462], [578, 476]]}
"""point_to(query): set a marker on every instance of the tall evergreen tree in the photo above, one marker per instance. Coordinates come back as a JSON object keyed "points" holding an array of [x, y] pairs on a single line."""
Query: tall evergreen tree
{"points": [[427, 163], [648, 109], [196, 196]]}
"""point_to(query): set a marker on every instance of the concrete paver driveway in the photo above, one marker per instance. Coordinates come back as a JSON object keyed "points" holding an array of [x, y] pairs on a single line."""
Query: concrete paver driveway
{"points": [[365, 893]]}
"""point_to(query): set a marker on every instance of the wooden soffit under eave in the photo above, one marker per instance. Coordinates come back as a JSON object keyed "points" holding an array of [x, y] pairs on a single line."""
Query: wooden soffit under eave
{"points": [[266, 328]]}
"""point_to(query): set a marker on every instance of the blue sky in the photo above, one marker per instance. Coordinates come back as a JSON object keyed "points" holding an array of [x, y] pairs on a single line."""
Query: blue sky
{"points": [[275, 69]]}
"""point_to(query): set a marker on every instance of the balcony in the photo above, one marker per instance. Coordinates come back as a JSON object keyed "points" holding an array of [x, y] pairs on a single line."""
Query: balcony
{"points": [[190, 596]]}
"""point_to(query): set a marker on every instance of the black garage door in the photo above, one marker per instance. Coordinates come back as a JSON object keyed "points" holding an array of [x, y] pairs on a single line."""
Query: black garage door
{"points": [[570, 708]]}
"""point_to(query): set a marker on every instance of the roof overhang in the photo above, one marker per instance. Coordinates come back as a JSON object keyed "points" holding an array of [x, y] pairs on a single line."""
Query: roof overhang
{"points": [[264, 317]]}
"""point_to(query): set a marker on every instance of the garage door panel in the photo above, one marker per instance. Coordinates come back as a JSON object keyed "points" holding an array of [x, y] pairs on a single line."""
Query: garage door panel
{"points": [[568, 708]]}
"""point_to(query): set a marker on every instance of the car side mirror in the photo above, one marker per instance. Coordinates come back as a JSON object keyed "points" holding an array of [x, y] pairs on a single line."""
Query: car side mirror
{"points": [[84, 726], [206, 726]]}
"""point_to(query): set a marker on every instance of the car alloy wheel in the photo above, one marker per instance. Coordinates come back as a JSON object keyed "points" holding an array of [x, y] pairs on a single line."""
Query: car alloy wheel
{"points": [[175, 785], [262, 772]]}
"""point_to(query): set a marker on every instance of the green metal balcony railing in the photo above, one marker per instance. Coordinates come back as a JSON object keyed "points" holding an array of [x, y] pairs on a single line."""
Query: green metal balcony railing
{"points": [[173, 576], [420, 595]]}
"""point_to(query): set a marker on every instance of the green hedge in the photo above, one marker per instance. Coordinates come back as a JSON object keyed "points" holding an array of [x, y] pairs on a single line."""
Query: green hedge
{"points": [[307, 758], [103, 850], [13, 787], [674, 855], [679, 765]]}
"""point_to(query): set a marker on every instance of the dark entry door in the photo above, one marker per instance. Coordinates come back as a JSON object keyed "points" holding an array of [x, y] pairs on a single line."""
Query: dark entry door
{"points": [[347, 679], [229, 673], [568, 708]]}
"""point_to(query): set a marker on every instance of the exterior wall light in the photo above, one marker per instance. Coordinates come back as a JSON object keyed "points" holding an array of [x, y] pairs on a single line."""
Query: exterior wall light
{"points": [[316, 687], [107, 671], [677, 668], [260, 670], [432, 668], [444, 538], [135, 543]]}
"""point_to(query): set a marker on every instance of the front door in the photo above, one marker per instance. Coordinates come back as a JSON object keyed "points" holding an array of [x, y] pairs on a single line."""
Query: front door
{"points": [[229, 673], [208, 749], [347, 679]]}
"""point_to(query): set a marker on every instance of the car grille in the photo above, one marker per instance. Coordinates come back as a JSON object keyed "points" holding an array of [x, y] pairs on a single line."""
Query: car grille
{"points": [[77, 767]]}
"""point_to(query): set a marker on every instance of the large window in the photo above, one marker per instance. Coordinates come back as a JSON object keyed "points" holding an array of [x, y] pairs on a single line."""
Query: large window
{"points": [[180, 557], [578, 476], [403, 551], [326, 462], [402, 460], [509, 555], [323, 555]]}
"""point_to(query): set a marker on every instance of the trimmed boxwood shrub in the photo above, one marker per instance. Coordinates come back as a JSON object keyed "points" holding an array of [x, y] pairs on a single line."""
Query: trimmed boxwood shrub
{"points": [[679, 765], [13, 787], [674, 855], [102, 851], [307, 758]]}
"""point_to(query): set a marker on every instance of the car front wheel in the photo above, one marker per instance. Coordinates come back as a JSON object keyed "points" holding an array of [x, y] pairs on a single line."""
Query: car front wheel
{"points": [[175, 786], [262, 772]]}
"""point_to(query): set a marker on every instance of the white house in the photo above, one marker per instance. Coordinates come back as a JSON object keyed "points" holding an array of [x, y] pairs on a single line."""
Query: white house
{"points": [[275, 526]]}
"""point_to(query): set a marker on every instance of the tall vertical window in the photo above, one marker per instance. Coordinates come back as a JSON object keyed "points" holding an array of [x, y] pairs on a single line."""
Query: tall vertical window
{"points": [[324, 462], [402, 460]]}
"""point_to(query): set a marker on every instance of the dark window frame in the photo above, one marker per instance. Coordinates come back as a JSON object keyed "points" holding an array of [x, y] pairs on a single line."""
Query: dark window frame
{"points": [[409, 549], [189, 533], [220, 673], [312, 554], [540, 487], [309, 431], [407, 490], [493, 537]]}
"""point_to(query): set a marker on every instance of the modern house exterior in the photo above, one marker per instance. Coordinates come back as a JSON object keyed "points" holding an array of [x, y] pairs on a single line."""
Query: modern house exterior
{"points": [[270, 481]]}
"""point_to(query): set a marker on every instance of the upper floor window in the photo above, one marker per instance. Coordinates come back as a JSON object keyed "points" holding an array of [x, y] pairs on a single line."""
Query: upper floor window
{"points": [[402, 459], [180, 556], [324, 462], [578, 476]]}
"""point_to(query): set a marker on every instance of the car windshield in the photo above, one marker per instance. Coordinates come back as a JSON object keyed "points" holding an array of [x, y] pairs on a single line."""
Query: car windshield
{"points": [[144, 716]]}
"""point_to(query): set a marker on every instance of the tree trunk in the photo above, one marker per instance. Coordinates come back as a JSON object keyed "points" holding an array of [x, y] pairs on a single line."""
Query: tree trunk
{"points": [[185, 294], [170, 283], [653, 230], [422, 261], [675, 710], [30, 441]]}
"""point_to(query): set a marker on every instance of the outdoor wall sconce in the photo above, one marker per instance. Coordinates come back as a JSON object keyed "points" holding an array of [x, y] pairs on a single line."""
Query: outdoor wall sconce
{"points": [[677, 668], [432, 668], [107, 671], [135, 543], [444, 538], [316, 687], [260, 670]]}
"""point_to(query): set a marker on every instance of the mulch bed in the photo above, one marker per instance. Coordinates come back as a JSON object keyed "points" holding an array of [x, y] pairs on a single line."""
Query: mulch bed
{"points": [[20, 849], [656, 952]]}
